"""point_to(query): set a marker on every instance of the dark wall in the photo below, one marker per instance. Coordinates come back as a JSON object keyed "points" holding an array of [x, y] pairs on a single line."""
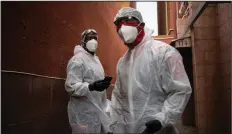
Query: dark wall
{"points": [[39, 37], [33, 105], [224, 102]]}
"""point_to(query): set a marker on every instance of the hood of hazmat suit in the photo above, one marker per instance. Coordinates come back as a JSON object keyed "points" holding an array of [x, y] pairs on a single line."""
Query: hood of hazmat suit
{"points": [[151, 84], [86, 109]]}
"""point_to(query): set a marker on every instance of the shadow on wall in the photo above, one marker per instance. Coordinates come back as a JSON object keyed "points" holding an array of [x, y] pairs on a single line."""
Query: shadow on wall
{"points": [[33, 105]]}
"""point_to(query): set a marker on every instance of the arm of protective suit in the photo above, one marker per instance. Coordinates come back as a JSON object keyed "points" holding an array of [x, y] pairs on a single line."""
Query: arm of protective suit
{"points": [[175, 84], [104, 102], [108, 105], [116, 101], [74, 84]]}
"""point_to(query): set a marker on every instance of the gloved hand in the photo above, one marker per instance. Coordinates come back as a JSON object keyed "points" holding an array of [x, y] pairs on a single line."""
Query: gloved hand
{"points": [[152, 127], [100, 85]]}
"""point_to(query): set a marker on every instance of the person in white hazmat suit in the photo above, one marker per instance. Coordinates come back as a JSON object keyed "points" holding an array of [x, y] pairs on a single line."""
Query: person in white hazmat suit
{"points": [[86, 86], [152, 88]]}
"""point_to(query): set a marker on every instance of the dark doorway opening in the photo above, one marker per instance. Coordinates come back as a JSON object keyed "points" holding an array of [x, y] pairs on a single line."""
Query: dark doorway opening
{"points": [[188, 117]]}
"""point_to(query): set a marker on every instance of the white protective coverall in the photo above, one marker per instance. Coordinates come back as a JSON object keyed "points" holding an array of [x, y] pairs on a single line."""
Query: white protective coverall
{"points": [[86, 109], [151, 84]]}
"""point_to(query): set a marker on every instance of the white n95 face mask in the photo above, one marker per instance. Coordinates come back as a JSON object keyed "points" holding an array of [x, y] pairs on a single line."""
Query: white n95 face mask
{"points": [[128, 33], [91, 45]]}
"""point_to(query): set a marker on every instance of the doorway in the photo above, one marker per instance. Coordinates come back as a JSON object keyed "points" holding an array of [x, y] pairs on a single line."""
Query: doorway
{"points": [[188, 117]]}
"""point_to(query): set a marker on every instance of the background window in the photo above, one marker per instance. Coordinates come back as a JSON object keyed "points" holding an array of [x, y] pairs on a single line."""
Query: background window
{"points": [[149, 13]]}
